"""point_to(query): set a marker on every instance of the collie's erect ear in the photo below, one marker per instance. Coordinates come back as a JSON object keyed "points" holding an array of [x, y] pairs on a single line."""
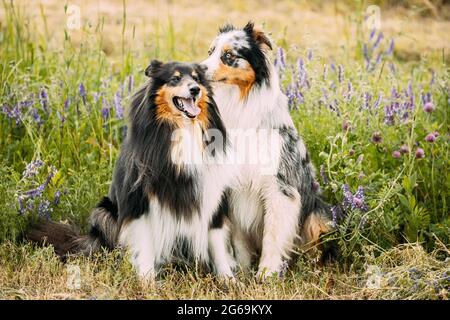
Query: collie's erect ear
{"points": [[260, 37], [153, 67]]}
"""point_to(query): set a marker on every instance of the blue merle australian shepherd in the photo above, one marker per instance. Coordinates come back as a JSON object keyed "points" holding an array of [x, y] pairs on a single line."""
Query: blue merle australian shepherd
{"points": [[271, 213], [163, 202]]}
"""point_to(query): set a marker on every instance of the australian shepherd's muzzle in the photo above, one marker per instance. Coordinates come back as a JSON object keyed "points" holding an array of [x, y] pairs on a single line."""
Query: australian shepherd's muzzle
{"points": [[271, 213], [162, 204]]}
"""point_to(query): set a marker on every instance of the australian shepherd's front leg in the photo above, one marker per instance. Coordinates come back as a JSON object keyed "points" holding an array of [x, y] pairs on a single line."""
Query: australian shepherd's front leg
{"points": [[281, 216]]}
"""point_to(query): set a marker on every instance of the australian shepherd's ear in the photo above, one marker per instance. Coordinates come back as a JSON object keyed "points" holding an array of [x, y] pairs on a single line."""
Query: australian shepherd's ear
{"points": [[153, 67], [259, 36]]}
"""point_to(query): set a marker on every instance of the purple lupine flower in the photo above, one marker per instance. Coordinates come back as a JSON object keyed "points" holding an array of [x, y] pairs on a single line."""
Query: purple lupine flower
{"points": [[56, 197], [404, 149], [430, 137], [348, 197], [391, 47], [377, 42], [367, 99], [323, 175], [105, 108], [358, 200], [349, 94], [389, 115], [420, 153], [377, 138], [366, 54], [82, 91], [280, 62], [372, 33], [428, 107], [301, 73], [118, 105], [43, 99], [32, 168], [96, 96], [333, 67], [61, 118], [340, 73], [36, 116], [377, 60], [377, 102], [396, 154], [44, 209], [336, 213], [310, 54], [67, 104]]}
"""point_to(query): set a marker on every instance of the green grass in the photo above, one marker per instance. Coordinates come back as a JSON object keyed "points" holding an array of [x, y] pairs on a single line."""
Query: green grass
{"points": [[405, 230]]}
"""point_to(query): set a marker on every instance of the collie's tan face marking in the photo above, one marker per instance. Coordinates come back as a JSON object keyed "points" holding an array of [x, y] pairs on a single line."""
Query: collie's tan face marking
{"points": [[167, 110]]}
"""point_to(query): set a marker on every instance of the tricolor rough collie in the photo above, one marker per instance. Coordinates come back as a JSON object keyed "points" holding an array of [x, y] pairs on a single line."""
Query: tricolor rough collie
{"points": [[164, 201], [273, 212]]}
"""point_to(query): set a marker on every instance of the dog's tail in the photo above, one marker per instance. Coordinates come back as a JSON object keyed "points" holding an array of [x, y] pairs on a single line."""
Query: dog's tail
{"points": [[318, 221], [65, 239]]}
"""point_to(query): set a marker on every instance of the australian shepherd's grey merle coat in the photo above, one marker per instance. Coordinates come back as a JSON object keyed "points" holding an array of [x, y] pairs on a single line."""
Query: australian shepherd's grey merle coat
{"points": [[271, 214], [163, 201]]}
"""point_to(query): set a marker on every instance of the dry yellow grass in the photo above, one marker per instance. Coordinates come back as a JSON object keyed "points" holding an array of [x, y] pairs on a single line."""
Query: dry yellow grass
{"points": [[406, 272], [297, 25]]}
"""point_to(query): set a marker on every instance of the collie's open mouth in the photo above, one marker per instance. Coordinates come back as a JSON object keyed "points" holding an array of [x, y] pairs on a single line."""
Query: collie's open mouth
{"points": [[187, 106]]}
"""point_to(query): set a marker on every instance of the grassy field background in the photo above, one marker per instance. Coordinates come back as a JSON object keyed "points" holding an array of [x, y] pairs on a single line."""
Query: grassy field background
{"points": [[372, 105]]}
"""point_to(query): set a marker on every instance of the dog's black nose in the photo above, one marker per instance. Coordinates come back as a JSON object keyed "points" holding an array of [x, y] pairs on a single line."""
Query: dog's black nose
{"points": [[194, 91]]}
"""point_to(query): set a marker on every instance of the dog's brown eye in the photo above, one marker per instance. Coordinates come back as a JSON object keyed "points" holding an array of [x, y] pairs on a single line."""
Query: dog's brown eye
{"points": [[195, 78], [229, 55], [176, 78]]}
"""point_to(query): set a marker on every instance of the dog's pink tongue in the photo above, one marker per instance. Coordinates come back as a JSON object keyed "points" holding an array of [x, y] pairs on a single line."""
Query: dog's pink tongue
{"points": [[190, 107]]}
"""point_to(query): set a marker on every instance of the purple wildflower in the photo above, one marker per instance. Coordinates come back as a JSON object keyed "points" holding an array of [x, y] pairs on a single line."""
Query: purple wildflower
{"points": [[66, 104], [82, 91], [358, 200], [323, 175], [105, 109], [348, 197], [396, 154], [310, 54], [336, 213], [428, 107], [56, 197], [377, 42], [118, 105], [372, 33], [32, 168], [340, 73], [280, 62], [430, 137], [420, 153], [36, 116], [391, 47], [377, 138], [44, 209], [404, 149], [367, 99], [43, 99]]}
